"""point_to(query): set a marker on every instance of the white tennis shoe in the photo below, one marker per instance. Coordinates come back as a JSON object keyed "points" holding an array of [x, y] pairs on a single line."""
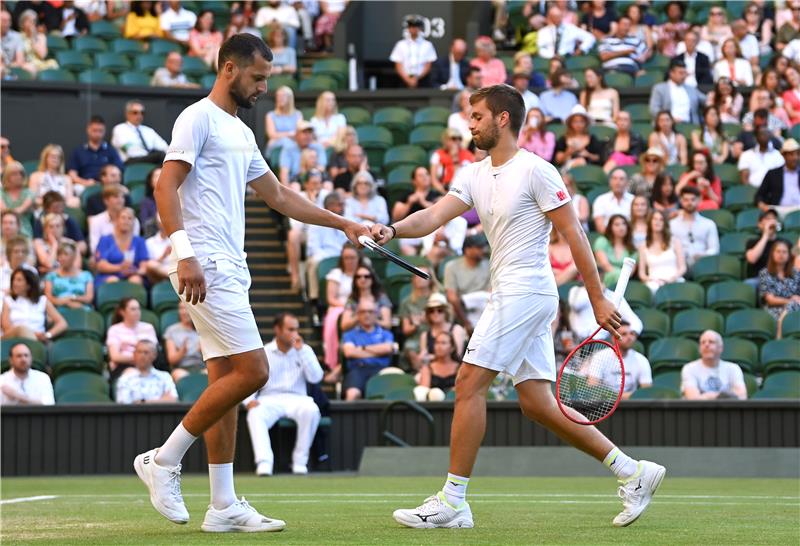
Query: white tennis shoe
{"points": [[164, 485], [436, 512], [239, 517], [637, 491]]}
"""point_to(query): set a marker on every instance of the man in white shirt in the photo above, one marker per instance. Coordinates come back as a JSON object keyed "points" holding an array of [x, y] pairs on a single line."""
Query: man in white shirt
{"points": [[135, 141], [177, 22], [756, 162], [638, 374], [292, 364], [696, 58], [413, 56], [748, 44], [562, 39], [697, 234], [683, 101], [171, 74], [710, 378], [520, 82], [103, 223], [616, 201], [282, 13], [143, 384], [22, 386]]}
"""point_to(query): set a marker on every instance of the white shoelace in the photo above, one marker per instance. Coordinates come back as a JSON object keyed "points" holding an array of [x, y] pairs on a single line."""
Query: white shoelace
{"points": [[628, 497], [430, 503], [246, 505], [175, 483]]}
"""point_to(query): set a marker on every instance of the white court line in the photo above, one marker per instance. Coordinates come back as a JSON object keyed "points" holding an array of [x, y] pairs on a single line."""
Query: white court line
{"points": [[28, 499]]}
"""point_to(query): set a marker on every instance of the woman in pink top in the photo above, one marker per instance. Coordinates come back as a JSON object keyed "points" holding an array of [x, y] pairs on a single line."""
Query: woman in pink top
{"points": [[493, 71], [791, 97], [535, 137], [204, 39], [127, 330]]}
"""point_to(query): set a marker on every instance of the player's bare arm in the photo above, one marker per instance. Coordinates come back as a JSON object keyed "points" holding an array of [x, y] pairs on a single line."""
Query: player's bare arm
{"points": [[566, 222], [290, 203], [190, 274], [422, 222]]}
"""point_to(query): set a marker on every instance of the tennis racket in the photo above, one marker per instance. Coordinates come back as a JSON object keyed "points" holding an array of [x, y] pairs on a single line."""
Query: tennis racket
{"points": [[391, 256], [591, 381]]}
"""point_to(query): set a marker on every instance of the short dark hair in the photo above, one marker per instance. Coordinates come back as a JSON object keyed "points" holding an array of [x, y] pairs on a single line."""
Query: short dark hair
{"points": [[677, 63], [761, 113], [690, 189], [502, 98], [96, 119], [11, 350], [51, 197], [240, 49], [280, 318], [32, 280]]}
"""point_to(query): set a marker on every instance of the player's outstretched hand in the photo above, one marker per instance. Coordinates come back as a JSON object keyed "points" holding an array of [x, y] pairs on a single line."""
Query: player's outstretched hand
{"points": [[354, 231], [607, 316], [381, 234], [191, 280]]}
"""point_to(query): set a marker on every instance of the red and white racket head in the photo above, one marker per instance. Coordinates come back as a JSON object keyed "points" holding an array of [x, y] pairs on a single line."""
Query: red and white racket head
{"points": [[591, 381]]}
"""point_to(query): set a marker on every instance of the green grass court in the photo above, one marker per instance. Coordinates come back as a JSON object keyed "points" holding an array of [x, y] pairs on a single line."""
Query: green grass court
{"points": [[357, 510]]}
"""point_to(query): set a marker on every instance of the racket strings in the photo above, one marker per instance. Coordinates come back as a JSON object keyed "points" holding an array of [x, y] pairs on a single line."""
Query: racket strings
{"points": [[591, 381]]}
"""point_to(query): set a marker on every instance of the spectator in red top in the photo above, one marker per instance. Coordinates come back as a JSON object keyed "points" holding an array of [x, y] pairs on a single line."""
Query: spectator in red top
{"points": [[791, 97], [702, 177], [447, 160], [493, 70]]}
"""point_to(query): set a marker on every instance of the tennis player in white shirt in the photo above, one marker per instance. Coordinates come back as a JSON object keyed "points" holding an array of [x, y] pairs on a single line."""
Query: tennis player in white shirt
{"points": [[200, 195], [518, 196]]}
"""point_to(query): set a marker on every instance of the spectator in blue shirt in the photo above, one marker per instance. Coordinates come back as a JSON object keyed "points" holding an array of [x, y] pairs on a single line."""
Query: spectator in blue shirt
{"points": [[290, 154], [368, 349], [86, 160], [556, 103]]}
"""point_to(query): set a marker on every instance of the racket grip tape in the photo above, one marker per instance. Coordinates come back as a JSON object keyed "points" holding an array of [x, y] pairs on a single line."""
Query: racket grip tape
{"points": [[624, 276]]}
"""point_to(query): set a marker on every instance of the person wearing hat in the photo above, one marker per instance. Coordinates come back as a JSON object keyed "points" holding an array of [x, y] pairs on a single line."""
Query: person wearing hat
{"points": [[413, 56], [447, 160], [781, 185], [290, 154], [520, 81], [755, 163], [578, 146], [438, 319], [651, 165]]}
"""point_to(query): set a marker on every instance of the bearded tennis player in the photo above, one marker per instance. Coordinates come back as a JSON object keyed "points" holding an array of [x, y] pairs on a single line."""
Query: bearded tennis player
{"points": [[200, 194], [518, 197]]}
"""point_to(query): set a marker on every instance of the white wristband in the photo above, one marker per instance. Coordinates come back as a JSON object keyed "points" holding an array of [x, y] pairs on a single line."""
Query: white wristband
{"points": [[181, 245]]}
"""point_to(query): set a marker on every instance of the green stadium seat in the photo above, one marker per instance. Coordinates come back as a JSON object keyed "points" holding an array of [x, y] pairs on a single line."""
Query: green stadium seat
{"points": [[753, 324], [428, 137], [356, 115], [163, 47], [557, 128], [588, 177], [76, 354], [325, 267], [167, 319], [728, 174], [582, 62], [109, 294], [83, 323], [378, 386], [404, 155], [783, 379], [747, 221], [618, 80], [149, 63], [191, 387], [37, 348], [776, 393], [678, 296], [84, 397], [105, 30], [194, 67], [112, 62], [672, 352], [739, 198], [724, 220], [675, 171], [638, 295], [656, 393], [648, 79], [308, 112], [56, 75], [137, 195], [432, 115], [80, 382], [780, 354], [79, 215], [728, 296], [741, 351], [319, 84], [275, 82], [375, 141], [395, 287], [397, 190], [20, 74], [731, 132], [711, 269], [395, 118], [657, 62], [639, 112], [97, 77], [791, 222], [136, 173], [56, 43], [88, 192], [750, 383], [89, 44], [693, 322], [668, 379], [30, 166], [790, 327], [602, 133], [655, 324], [163, 297], [73, 60], [131, 48], [134, 78], [334, 68], [734, 244]]}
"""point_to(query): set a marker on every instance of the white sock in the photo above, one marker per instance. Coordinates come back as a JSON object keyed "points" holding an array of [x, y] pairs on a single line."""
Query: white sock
{"points": [[620, 464], [221, 478], [455, 489], [176, 446]]}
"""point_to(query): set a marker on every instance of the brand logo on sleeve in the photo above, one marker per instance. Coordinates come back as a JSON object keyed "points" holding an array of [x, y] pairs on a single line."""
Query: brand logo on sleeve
{"points": [[561, 195]]}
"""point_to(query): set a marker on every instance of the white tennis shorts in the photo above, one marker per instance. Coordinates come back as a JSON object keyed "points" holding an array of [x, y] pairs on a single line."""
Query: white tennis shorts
{"points": [[224, 321], [514, 336]]}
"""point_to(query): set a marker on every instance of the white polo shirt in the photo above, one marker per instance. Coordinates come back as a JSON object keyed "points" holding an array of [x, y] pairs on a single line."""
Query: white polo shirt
{"points": [[607, 205], [413, 54], [224, 156], [36, 385], [511, 201], [758, 163]]}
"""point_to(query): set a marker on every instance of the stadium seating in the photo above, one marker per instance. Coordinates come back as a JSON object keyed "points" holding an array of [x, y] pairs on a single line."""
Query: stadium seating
{"points": [[76, 354], [656, 393], [739, 198], [675, 297], [747, 221], [729, 296], [167, 319], [753, 324], [375, 141], [436, 116], [89, 44], [397, 119], [105, 30], [73, 60], [672, 352], [409, 155], [83, 323], [148, 316], [134, 78], [741, 351], [356, 115], [109, 295], [669, 379], [791, 222], [131, 48], [380, 385], [191, 387], [691, 323], [319, 84], [638, 295], [712, 269], [655, 324], [428, 137], [783, 379], [734, 244], [56, 75], [80, 382], [112, 62], [97, 77], [780, 354], [84, 397], [724, 220], [163, 297], [333, 68], [791, 325]]}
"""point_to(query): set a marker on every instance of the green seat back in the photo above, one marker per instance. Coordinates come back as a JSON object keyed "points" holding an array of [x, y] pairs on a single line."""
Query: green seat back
{"points": [[83, 323], [131, 48], [428, 137], [783, 379], [618, 80], [693, 322], [734, 244], [711, 269], [167, 319], [20, 74], [56, 75], [780, 354], [791, 222], [149, 63], [319, 83], [97, 77], [724, 219], [137, 173], [648, 79], [728, 174], [672, 352], [747, 221], [191, 387], [163, 47], [791, 325], [84, 397], [105, 30], [432, 115], [588, 177], [56, 43], [675, 297], [638, 295], [741, 351], [76, 354], [655, 324], [396, 119], [112, 62], [739, 198], [668, 379], [656, 393], [729, 296], [356, 115], [80, 382], [777, 392], [163, 297], [148, 316], [89, 44], [639, 112], [194, 67], [275, 82], [134, 78], [109, 294], [73, 60], [325, 267], [753, 324], [333, 68], [379, 385], [79, 215], [582, 62], [404, 155]]}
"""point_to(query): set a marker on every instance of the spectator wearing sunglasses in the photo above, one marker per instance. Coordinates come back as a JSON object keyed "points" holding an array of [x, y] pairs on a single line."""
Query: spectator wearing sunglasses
{"points": [[448, 160]]}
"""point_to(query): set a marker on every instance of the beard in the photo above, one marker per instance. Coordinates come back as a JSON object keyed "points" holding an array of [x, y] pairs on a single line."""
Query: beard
{"points": [[487, 139], [240, 98]]}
